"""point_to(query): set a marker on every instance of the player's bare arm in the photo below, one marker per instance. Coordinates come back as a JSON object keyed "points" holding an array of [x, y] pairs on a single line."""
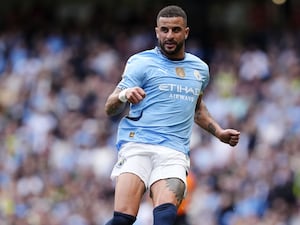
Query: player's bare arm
{"points": [[113, 105], [116, 101], [204, 119]]}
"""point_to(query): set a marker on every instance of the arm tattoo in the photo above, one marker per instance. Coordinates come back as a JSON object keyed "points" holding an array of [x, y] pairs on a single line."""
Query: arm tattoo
{"points": [[177, 186], [212, 129], [116, 108], [207, 119], [197, 116]]}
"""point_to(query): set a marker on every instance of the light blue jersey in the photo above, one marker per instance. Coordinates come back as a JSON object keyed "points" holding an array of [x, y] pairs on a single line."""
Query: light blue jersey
{"points": [[166, 115]]}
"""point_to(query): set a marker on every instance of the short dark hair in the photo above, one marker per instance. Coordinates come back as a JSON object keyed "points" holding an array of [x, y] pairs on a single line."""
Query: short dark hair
{"points": [[172, 11]]}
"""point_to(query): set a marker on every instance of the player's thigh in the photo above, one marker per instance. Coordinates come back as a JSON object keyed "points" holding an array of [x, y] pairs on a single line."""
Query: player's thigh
{"points": [[168, 178], [129, 191], [169, 190]]}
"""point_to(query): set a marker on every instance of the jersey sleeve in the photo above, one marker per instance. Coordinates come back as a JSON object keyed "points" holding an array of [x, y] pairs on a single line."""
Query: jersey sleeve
{"points": [[133, 74], [205, 78]]}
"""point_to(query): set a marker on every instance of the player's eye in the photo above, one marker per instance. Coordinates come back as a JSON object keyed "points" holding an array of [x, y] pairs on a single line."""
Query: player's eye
{"points": [[164, 29], [176, 29]]}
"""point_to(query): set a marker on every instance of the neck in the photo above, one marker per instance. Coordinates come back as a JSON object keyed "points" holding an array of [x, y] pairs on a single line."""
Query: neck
{"points": [[174, 57]]}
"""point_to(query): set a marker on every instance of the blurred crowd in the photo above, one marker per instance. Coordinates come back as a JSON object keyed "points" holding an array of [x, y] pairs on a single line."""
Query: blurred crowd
{"points": [[58, 147]]}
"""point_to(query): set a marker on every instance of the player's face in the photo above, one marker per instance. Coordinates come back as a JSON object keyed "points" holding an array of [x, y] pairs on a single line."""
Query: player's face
{"points": [[171, 33]]}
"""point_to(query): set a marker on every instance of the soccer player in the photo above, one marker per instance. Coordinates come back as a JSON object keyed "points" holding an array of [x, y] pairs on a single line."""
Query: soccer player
{"points": [[164, 87]]}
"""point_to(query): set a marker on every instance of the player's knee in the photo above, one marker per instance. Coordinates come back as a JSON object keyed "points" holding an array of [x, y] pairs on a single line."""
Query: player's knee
{"points": [[164, 214], [121, 219]]}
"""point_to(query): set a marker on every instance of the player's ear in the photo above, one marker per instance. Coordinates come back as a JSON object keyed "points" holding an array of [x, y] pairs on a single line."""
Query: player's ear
{"points": [[156, 32], [187, 31]]}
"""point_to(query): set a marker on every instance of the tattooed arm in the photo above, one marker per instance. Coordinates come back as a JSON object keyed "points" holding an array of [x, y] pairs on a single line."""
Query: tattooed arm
{"points": [[114, 105], [204, 119]]}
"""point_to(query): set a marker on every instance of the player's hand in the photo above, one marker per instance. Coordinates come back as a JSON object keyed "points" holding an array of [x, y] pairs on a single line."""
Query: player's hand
{"points": [[229, 136], [135, 95]]}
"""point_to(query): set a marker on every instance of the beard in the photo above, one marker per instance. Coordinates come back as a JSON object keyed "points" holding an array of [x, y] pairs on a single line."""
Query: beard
{"points": [[173, 51]]}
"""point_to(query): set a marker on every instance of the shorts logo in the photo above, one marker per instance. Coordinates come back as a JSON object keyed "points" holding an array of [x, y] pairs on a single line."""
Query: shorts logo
{"points": [[180, 72], [131, 134], [121, 162]]}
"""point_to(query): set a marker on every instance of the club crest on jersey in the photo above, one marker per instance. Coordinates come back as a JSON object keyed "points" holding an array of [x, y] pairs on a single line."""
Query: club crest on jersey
{"points": [[180, 72], [131, 134], [197, 74]]}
